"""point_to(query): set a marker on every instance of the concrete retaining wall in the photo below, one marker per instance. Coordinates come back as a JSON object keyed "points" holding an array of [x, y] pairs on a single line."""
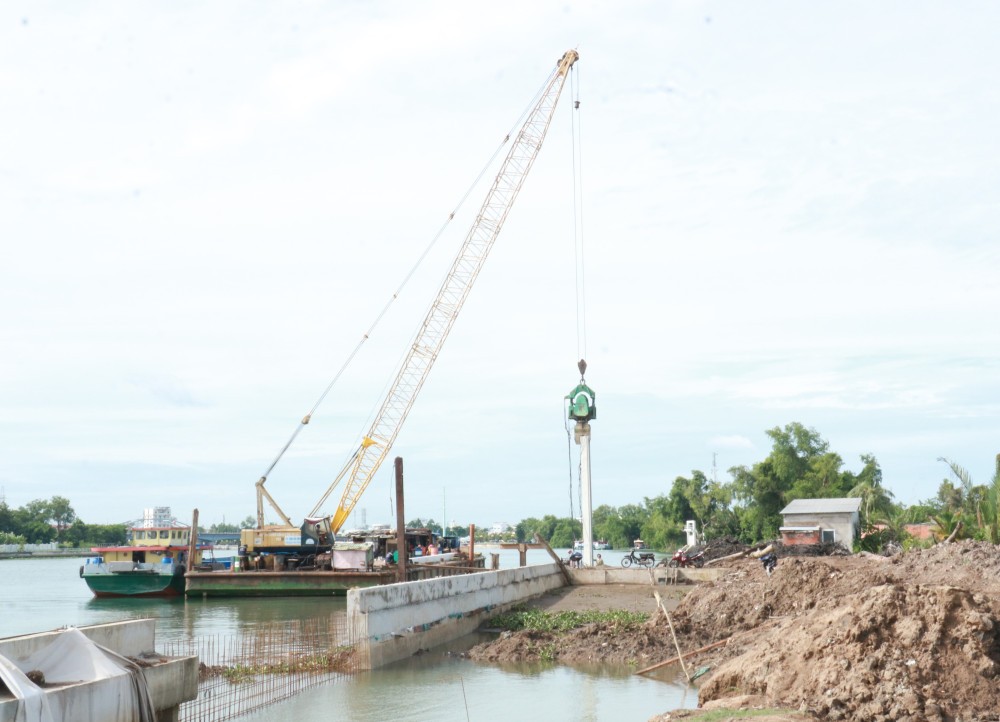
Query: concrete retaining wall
{"points": [[661, 575], [397, 620]]}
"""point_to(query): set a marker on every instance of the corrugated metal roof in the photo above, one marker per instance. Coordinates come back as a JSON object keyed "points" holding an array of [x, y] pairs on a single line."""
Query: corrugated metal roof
{"points": [[823, 506]]}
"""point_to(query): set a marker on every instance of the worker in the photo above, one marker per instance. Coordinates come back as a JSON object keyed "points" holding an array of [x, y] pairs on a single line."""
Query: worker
{"points": [[599, 562]]}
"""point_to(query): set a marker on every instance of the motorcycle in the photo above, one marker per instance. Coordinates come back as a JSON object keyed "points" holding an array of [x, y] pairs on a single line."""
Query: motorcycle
{"points": [[681, 559], [642, 559]]}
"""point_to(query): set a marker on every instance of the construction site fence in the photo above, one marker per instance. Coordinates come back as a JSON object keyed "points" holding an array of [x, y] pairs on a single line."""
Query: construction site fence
{"points": [[242, 673]]}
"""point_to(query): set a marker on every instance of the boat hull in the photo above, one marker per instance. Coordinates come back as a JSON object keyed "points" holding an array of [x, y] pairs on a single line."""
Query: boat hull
{"points": [[135, 585], [282, 584]]}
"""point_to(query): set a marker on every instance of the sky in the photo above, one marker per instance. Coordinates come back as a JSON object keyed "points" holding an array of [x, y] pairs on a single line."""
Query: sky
{"points": [[782, 212]]}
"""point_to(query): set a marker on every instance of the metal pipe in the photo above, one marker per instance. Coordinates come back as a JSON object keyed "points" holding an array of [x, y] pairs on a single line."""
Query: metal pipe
{"points": [[583, 429], [401, 550]]}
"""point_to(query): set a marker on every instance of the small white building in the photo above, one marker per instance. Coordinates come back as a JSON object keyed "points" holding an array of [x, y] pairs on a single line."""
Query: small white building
{"points": [[815, 521]]}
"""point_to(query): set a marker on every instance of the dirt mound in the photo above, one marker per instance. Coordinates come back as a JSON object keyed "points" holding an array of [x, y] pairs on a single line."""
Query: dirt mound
{"points": [[748, 597], [723, 547], [598, 643], [912, 637], [828, 549], [969, 564], [893, 652]]}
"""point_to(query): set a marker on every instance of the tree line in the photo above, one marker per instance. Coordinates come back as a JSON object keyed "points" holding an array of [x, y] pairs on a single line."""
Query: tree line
{"points": [[53, 520], [746, 508], [42, 521], [800, 465]]}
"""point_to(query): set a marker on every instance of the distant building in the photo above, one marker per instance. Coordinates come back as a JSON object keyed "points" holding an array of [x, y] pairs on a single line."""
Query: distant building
{"points": [[816, 521], [500, 527], [920, 532]]}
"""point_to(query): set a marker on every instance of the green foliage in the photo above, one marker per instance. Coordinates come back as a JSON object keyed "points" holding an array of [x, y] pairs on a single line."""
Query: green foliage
{"points": [[874, 539], [95, 535], [801, 466], [559, 622], [39, 521], [223, 528]]}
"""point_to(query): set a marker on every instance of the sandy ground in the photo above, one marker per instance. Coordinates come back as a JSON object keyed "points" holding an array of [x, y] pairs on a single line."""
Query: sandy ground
{"points": [[602, 597]]}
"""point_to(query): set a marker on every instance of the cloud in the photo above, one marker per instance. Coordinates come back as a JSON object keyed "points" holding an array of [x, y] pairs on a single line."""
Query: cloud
{"points": [[733, 441]]}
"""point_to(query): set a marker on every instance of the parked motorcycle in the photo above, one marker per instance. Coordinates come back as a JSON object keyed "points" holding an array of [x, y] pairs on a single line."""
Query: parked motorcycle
{"points": [[642, 559], [681, 559]]}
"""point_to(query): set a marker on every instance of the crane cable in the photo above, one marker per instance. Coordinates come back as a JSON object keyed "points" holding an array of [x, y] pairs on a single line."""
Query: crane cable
{"points": [[406, 279], [376, 405], [580, 276], [581, 285]]}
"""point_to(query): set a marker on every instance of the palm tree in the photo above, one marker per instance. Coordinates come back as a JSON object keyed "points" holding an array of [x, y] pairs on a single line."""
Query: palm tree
{"points": [[876, 500], [980, 502]]}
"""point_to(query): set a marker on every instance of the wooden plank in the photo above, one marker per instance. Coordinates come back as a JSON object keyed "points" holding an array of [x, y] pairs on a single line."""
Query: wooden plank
{"points": [[686, 654], [562, 565], [659, 603]]}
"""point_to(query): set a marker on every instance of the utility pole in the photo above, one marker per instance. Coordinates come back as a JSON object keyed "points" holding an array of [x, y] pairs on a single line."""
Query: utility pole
{"points": [[582, 409]]}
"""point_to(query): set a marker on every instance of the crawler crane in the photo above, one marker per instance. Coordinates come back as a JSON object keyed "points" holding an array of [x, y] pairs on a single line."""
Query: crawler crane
{"points": [[317, 532]]}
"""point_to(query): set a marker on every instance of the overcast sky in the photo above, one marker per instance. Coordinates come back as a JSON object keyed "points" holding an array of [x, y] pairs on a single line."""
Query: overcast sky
{"points": [[789, 213]]}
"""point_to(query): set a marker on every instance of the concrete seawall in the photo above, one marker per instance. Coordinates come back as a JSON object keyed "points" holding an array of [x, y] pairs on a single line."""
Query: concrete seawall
{"points": [[396, 620], [661, 575]]}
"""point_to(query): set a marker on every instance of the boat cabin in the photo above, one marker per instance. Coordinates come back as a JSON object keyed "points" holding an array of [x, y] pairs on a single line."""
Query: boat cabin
{"points": [[154, 545]]}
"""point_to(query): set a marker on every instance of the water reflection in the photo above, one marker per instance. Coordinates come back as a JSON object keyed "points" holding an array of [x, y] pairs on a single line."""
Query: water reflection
{"points": [[442, 684]]}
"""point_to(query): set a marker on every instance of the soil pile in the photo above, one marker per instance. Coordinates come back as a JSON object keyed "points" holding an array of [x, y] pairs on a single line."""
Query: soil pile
{"points": [[915, 637], [893, 652]]}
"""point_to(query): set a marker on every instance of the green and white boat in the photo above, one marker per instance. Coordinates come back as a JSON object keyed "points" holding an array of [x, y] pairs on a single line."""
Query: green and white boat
{"points": [[153, 565]]}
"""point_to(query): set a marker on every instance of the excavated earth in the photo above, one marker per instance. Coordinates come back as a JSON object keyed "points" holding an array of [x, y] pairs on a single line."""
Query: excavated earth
{"points": [[911, 637]]}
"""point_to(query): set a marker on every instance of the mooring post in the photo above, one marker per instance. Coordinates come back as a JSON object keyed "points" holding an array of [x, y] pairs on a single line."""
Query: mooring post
{"points": [[472, 545], [192, 540], [401, 549]]}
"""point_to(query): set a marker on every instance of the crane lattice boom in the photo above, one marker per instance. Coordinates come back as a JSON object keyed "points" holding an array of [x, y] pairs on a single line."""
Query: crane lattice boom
{"points": [[446, 306]]}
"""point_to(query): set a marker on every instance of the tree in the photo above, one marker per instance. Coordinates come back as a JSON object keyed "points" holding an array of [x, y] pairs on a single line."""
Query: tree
{"points": [[223, 528], [6, 518], [249, 523], [565, 533], [977, 506], [60, 512], [876, 500], [526, 529], [799, 466]]}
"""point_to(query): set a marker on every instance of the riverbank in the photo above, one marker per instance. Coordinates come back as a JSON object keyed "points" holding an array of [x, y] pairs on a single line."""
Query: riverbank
{"points": [[914, 636], [50, 554]]}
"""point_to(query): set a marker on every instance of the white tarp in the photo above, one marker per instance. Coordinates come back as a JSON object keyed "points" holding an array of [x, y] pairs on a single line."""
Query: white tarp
{"points": [[72, 659], [32, 704]]}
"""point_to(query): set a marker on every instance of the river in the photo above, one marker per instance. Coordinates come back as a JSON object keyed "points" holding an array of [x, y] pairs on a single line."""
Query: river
{"points": [[43, 594]]}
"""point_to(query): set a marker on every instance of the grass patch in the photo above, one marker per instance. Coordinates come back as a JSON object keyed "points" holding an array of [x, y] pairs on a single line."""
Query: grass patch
{"points": [[536, 620]]}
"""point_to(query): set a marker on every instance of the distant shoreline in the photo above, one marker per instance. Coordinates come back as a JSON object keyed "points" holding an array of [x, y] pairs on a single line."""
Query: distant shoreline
{"points": [[60, 554]]}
